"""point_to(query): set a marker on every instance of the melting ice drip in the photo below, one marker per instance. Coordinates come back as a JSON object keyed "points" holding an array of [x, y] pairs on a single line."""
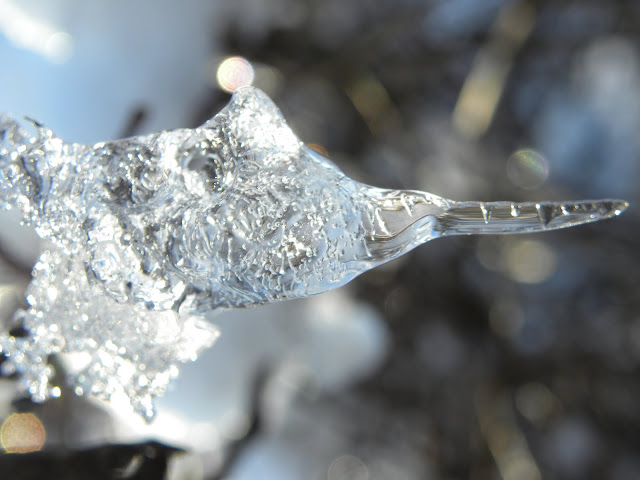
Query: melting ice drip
{"points": [[147, 234]]}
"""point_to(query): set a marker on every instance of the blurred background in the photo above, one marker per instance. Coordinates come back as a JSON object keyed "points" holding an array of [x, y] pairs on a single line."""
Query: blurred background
{"points": [[470, 358]]}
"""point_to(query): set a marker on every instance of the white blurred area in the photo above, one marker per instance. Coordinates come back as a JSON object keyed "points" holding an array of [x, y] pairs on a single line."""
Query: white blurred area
{"points": [[304, 348], [82, 68]]}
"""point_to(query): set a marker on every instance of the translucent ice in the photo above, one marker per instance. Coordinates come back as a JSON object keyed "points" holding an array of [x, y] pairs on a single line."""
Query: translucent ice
{"points": [[147, 234]]}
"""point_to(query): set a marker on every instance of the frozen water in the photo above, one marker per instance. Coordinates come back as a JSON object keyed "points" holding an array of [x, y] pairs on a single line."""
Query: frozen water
{"points": [[147, 234]]}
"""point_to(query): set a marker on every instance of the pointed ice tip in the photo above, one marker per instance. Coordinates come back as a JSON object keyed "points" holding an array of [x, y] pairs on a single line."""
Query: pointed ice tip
{"points": [[619, 206]]}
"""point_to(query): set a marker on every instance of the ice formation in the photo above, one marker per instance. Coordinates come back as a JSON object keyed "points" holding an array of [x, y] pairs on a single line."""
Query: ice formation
{"points": [[146, 235]]}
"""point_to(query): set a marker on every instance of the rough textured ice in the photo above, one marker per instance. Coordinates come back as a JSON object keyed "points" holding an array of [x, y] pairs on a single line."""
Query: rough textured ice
{"points": [[147, 234]]}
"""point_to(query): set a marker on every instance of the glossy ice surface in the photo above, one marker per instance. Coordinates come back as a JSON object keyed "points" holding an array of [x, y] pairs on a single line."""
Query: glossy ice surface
{"points": [[147, 234]]}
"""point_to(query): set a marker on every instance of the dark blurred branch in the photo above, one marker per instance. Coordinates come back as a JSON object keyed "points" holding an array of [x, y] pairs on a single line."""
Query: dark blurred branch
{"points": [[136, 120], [139, 461], [256, 425]]}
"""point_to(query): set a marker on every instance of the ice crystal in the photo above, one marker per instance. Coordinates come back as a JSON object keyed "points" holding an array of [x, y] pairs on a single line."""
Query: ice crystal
{"points": [[147, 234]]}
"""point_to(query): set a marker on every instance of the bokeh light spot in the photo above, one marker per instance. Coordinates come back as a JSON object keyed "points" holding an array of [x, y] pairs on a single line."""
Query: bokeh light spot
{"points": [[22, 433], [527, 169], [233, 73], [347, 467], [529, 261], [535, 401], [26, 31]]}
